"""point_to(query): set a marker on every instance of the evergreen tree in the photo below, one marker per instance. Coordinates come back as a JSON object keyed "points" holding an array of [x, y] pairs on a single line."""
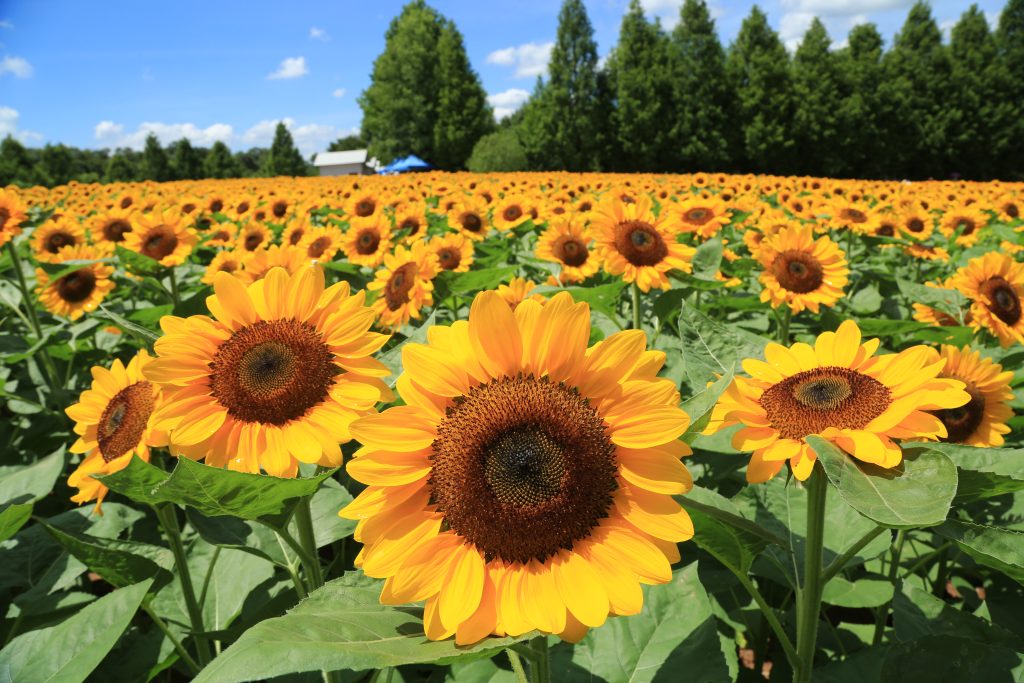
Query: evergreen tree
{"points": [[462, 113], [398, 106], [346, 143], [186, 160], [535, 128], [1008, 82], [816, 128], [56, 165], [973, 52], [860, 72], [758, 69], [219, 163], [283, 159], [641, 78], [702, 136], [154, 161], [15, 163], [917, 112], [120, 167], [573, 91]]}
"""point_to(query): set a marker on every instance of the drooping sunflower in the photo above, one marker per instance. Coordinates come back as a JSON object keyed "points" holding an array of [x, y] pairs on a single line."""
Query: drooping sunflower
{"points": [[260, 262], [703, 216], [114, 422], [638, 245], [982, 420], [368, 240], [110, 227], [469, 217], [800, 271], [53, 235], [162, 236], [274, 378], [12, 214], [404, 284], [322, 242], [80, 291], [995, 284], [566, 241], [527, 482], [454, 252], [838, 390]]}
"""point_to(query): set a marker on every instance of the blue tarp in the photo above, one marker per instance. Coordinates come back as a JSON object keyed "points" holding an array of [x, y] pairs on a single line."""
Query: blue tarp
{"points": [[409, 163]]}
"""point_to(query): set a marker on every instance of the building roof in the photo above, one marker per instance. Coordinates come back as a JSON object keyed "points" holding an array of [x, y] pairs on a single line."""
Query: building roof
{"points": [[352, 156]]}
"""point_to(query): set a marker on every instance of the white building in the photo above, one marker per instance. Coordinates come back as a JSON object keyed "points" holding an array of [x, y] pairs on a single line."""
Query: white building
{"points": [[351, 162]]}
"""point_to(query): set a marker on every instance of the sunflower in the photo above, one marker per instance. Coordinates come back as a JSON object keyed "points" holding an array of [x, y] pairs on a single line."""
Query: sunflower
{"points": [[404, 284], [273, 379], [260, 262], [220, 235], [411, 219], [846, 213], [469, 217], [518, 290], [53, 235], [915, 223], [801, 272], [703, 216], [111, 227], [79, 291], [161, 236], [995, 284], [227, 261], [638, 245], [982, 421], [838, 390], [294, 233], [254, 236], [114, 422], [510, 212], [322, 243], [969, 220], [565, 241], [363, 204], [453, 251], [926, 252], [527, 482], [367, 241], [12, 214]]}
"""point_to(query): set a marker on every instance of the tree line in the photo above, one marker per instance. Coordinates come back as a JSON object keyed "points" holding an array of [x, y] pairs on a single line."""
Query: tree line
{"points": [[679, 101], [59, 164]]}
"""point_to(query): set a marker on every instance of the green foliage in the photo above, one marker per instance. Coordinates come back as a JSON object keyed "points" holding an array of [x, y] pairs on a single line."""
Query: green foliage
{"points": [[284, 158], [219, 163], [499, 151], [186, 161], [346, 143], [462, 113], [154, 164], [818, 96]]}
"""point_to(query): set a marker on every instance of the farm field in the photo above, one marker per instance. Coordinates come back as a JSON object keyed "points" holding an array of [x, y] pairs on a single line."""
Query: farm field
{"points": [[512, 427]]}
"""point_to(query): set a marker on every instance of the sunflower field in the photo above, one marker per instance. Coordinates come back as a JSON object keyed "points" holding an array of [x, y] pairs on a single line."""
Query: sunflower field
{"points": [[512, 427]]}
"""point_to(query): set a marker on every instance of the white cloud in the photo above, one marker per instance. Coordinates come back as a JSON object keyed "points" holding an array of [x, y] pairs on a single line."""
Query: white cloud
{"points": [[824, 8], [667, 11], [9, 126], [319, 34], [508, 101], [291, 67], [17, 66], [111, 134], [6, 23], [339, 93], [309, 138], [792, 28], [529, 59]]}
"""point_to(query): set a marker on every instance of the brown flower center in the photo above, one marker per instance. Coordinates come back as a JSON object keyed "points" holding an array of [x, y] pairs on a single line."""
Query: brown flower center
{"points": [[76, 287], [639, 243], [279, 208], [915, 225], [522, 468], [813, 400], [1003, 300], [411, 224], [396, 292], [698, 216], [449, 258], [798, 271], [115, 230], [318, 246], [967, 225], [5, 216], [962, 422], [253, 241], [471, 222], [886, 230], [272, 371], [853, 215], [571, 251], [216, 205], [55, 241], [296, 236], [126, 202], [159, 243], [124, 420], [367, 242], [365, 207], [512, 213]]}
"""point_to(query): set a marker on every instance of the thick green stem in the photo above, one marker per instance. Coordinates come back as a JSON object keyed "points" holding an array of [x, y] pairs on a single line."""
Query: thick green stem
{"points": [[894, 567], [304, 520], [175, 297], [809, 597], [785, 314], [182, 652], [636, 307], [840, 562], [771, 618], [517, 665], [169, 521], [542, 661], [29, 301]]}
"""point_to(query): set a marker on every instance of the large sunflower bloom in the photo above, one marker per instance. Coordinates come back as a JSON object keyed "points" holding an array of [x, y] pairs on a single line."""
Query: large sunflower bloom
{"points": [[454, 251], [995, 284], [111, 226], [968, 219], [274, 378], [404, 285], [565, 242], [80, 291], [982, 421], [12, 215], [161, 236], [801, 272], [367, 240], [527, 482], [638, 245], [839, 390], [469, 217], [53, 235], [114, 422]]}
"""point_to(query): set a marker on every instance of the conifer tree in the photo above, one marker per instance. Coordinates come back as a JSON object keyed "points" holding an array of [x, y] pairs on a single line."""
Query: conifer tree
{"points": [[219, 163], [119, 168], [154, 161], [186, 161], [860, 71], [283, 159], [816, 127], [463, 115], [974, 100], [1008, 82]]}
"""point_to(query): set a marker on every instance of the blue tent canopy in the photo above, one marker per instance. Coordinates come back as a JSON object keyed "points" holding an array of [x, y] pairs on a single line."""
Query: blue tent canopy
{"points": [[409, 163]]}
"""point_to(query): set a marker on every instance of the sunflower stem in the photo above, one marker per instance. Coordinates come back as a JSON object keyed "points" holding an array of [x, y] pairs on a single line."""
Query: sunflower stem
{"points": [[882, 615], [182, 652], [809, 596], [636, 307], [542, 662], [169, 521], [175, 297], [49, 369], [304, 520], [837, 564], [784, 317], [772, 619], [517, 665]]}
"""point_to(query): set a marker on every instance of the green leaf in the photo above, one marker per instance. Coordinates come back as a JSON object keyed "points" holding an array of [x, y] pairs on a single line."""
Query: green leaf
{"points": [[866, 301], [699, 405], [863, 592], [213, 491], [949, 301], [56, 271], [139, 331], [27, 484], [601, 298], [69, 651], [917, 493], [12, 518], [720, 530], [675, 637], [473, 281], [339, 626], [917, 614], [119, 563], [150, 316], [951, 659], [712, 348], [328, 527], [708, 258], [1001, 549], [136, 263], [984, 472], [240, 534]]}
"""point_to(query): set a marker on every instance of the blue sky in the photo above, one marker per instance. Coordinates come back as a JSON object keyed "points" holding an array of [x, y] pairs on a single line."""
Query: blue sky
{"points": [[104, 74]]}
